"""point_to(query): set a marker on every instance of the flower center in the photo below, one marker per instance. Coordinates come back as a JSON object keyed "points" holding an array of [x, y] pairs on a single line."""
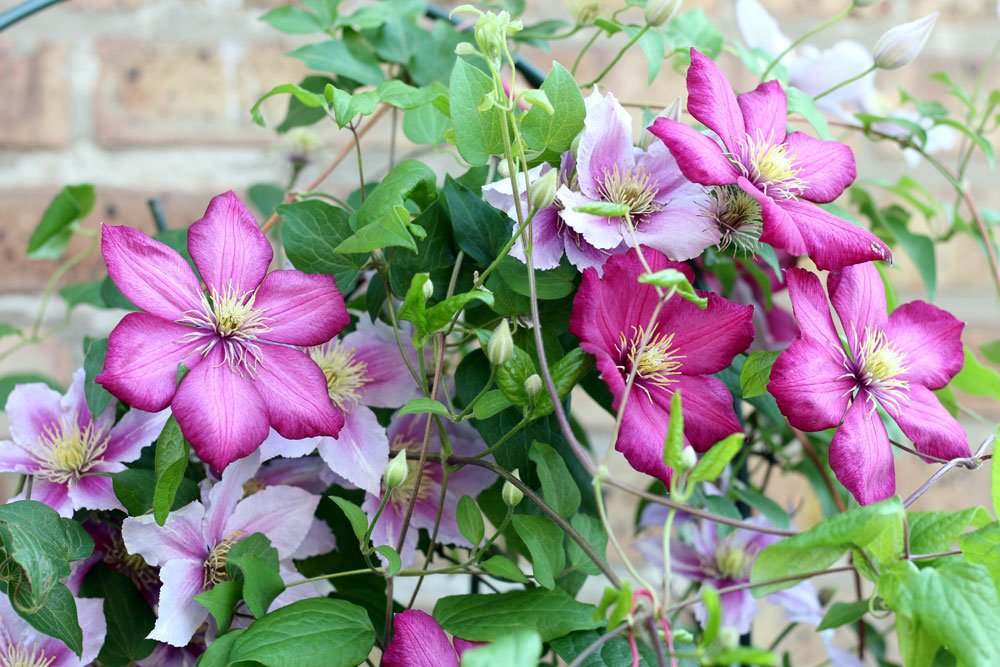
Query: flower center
{"points": [[657, 364], [133, 566], [345, 375], [215, 565], [632, 188], [733, 562], [229, 318], [878, 367], [24, 655], [769, 165], [737, 216], [65, 452]]}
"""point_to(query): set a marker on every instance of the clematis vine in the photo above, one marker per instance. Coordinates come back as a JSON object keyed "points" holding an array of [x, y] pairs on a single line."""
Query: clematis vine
{"points": [[243, 377], [67, 450], [786, 173], [191, 548], [891, 362], [364, 369], [407, 433], [23, 645], [685, 346], [418, 641]]}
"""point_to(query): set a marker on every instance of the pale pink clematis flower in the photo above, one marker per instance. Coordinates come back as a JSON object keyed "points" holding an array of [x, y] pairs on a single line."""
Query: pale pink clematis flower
{"points": [[21, 644]]}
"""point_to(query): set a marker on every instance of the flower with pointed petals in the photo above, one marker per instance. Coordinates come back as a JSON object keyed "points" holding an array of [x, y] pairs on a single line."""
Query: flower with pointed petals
{"points": [[665, 208], [66, 449], [685, 346], [407, 433], [192, 546], [418, 641], [365, 369], [244, 376], [787, 173], [892, 361], [21, 645]]}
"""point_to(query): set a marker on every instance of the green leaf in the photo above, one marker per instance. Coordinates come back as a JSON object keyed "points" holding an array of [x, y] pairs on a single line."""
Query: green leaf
{"points": [[673, 443], [771, 510], [995, 474], [713, 609], [744, 655], [842, 613], [522, 648], [653, 46], [485, 618], [343, 58], [318, 632], [566, 374], [88, 292], [592, 530], [440, 314], [672, 279], [93, 363], [991, 351], [756, 372], [347, 107], [171, 459], [311, 231], [254, 563], [60, 220], [305, 97], [299, 114], [544, 540], [554, 283], [805, 106], [129, 618], [491, 403], [714, 461], [221, 601], [981, 142], [921, 250], [391, 555], [293, 20], [478, 135], [470, 520], [423, 406], [266, 197], [504, 568], [511, 375], [355, 515], [558, 487], [555, 132], [613, 653], [934, 532], [8, 330], [480, 230], [55, 615], [217, 654], [976, 379], [135, 489], [983, 547], [693, 29]]}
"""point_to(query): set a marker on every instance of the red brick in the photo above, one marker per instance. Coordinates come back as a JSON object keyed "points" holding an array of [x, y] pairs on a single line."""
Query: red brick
{"points": [[34, 88]]}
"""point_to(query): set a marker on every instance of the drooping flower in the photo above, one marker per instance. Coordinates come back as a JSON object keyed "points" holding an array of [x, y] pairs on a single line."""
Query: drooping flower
{"points": [[191, 548], [892, 361], [407, 433], [685, 346], [787, 173], [67, 450], [419, 641], [665, 208], [364, 369], [23, 645], [243, 375]]}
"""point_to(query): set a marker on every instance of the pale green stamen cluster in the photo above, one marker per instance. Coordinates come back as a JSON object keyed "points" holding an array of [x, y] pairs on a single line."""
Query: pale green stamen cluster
{"points": [[732, 562], [738, 218], [878, 368], [214, 569], [769, 165], [345, 375], [24, 655], [65, 451], [230, 319], [657, 364], [630, 187]]}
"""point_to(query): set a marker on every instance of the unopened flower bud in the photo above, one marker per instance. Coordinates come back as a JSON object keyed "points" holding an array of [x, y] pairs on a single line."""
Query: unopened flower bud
{"points": [[542, 192], [689, 458], [584, 12], [728, 637], [428, 289], [901, 45], [658, 12], [465, 49], [501, 345], [533, 385], [511, 495], [397, 471], [492, 31], [682, 636]]}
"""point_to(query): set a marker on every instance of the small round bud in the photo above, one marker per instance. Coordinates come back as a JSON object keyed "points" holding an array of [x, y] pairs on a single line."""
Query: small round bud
{"points": [[901, 45], [501, 345], [511, 495], [682, 636], [658, 12], [396, 472], [689, 458], [542, 192], [728, 637], [428, 289], [533, 385], [465, 49], [584, 12]]}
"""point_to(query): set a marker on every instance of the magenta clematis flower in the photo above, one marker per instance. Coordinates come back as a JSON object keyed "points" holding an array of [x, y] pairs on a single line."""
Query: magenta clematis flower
{"points": [[787, 173], [892, 361], [407, 432], [666, 210], [21, 644], [67, 450], [242, 330], [418, 641], [191, 548], [686, 345], [365, 369]]}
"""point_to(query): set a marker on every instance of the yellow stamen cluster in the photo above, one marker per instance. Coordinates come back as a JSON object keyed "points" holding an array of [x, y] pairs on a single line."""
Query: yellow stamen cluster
{"points": [[24, 655], [631, 188], [879, 365], [65, 451], [769, 165], [215, 565], [738, 218], [657, 364], [345, 375]]}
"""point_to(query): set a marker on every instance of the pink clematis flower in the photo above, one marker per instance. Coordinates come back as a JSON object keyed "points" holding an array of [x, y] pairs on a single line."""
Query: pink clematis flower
{"points": [[418, 641], [364, 369], [21, 644], [892, 361], [192, 547], [787, 173], [686, 345], [66, 449], [407, 432], [665, 209], [244, 376]]}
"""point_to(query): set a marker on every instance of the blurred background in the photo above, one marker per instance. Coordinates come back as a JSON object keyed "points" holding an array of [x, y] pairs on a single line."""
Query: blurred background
{"points": [[147, 98]]}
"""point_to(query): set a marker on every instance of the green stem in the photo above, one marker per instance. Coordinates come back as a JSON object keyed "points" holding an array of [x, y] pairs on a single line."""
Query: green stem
{"points": [[846, 82], [668, 527], [618, 56], [486, 387], [781, 637], [50, 288], [361, 164], [371, 526], [602, 514], [503, 440], [586, 47], [821, 27]]}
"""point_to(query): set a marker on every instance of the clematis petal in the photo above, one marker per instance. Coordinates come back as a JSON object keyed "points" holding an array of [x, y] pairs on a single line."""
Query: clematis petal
{"points": [[599, 231], [605, 143], [32, 409], [143, 354], [295, 396], [712, 101], [931, 428], [283, 514], [179, 616], [302, 309], [699, 158], [418, 641], [361, 451], [179, 538], [808, 383], [826, 167], [52, 494], [133, 432], [318, 540], [277, 445], [930, 340], [94, 493], [220, 412], [710, 338], [74, 405], [224, 495], [708, 411], [830, 242], [811, 307], [738, 609], [759, 29], [583, 255], [861, 455], [547, 247], [388, 382], [15, 458], [640, 438], [679, 230], [390, 526], [94, 626], [858, 296], [765, 112], [151, 274], [227, 246]]}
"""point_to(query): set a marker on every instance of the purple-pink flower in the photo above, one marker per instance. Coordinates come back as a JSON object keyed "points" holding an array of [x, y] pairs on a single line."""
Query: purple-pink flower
{"points": [[68, 451], [418, 641], [892, 361], [21, 644], [244, 375], [787, 173], [686, 345]]}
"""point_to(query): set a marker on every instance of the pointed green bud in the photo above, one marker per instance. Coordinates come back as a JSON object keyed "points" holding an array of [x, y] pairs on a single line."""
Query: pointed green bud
{"points": [[901, 45], [542, 192], [658, 12], [689, 458], [533, 385], [501, 345], [511, 495], [428, 289], [397, 471]]}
